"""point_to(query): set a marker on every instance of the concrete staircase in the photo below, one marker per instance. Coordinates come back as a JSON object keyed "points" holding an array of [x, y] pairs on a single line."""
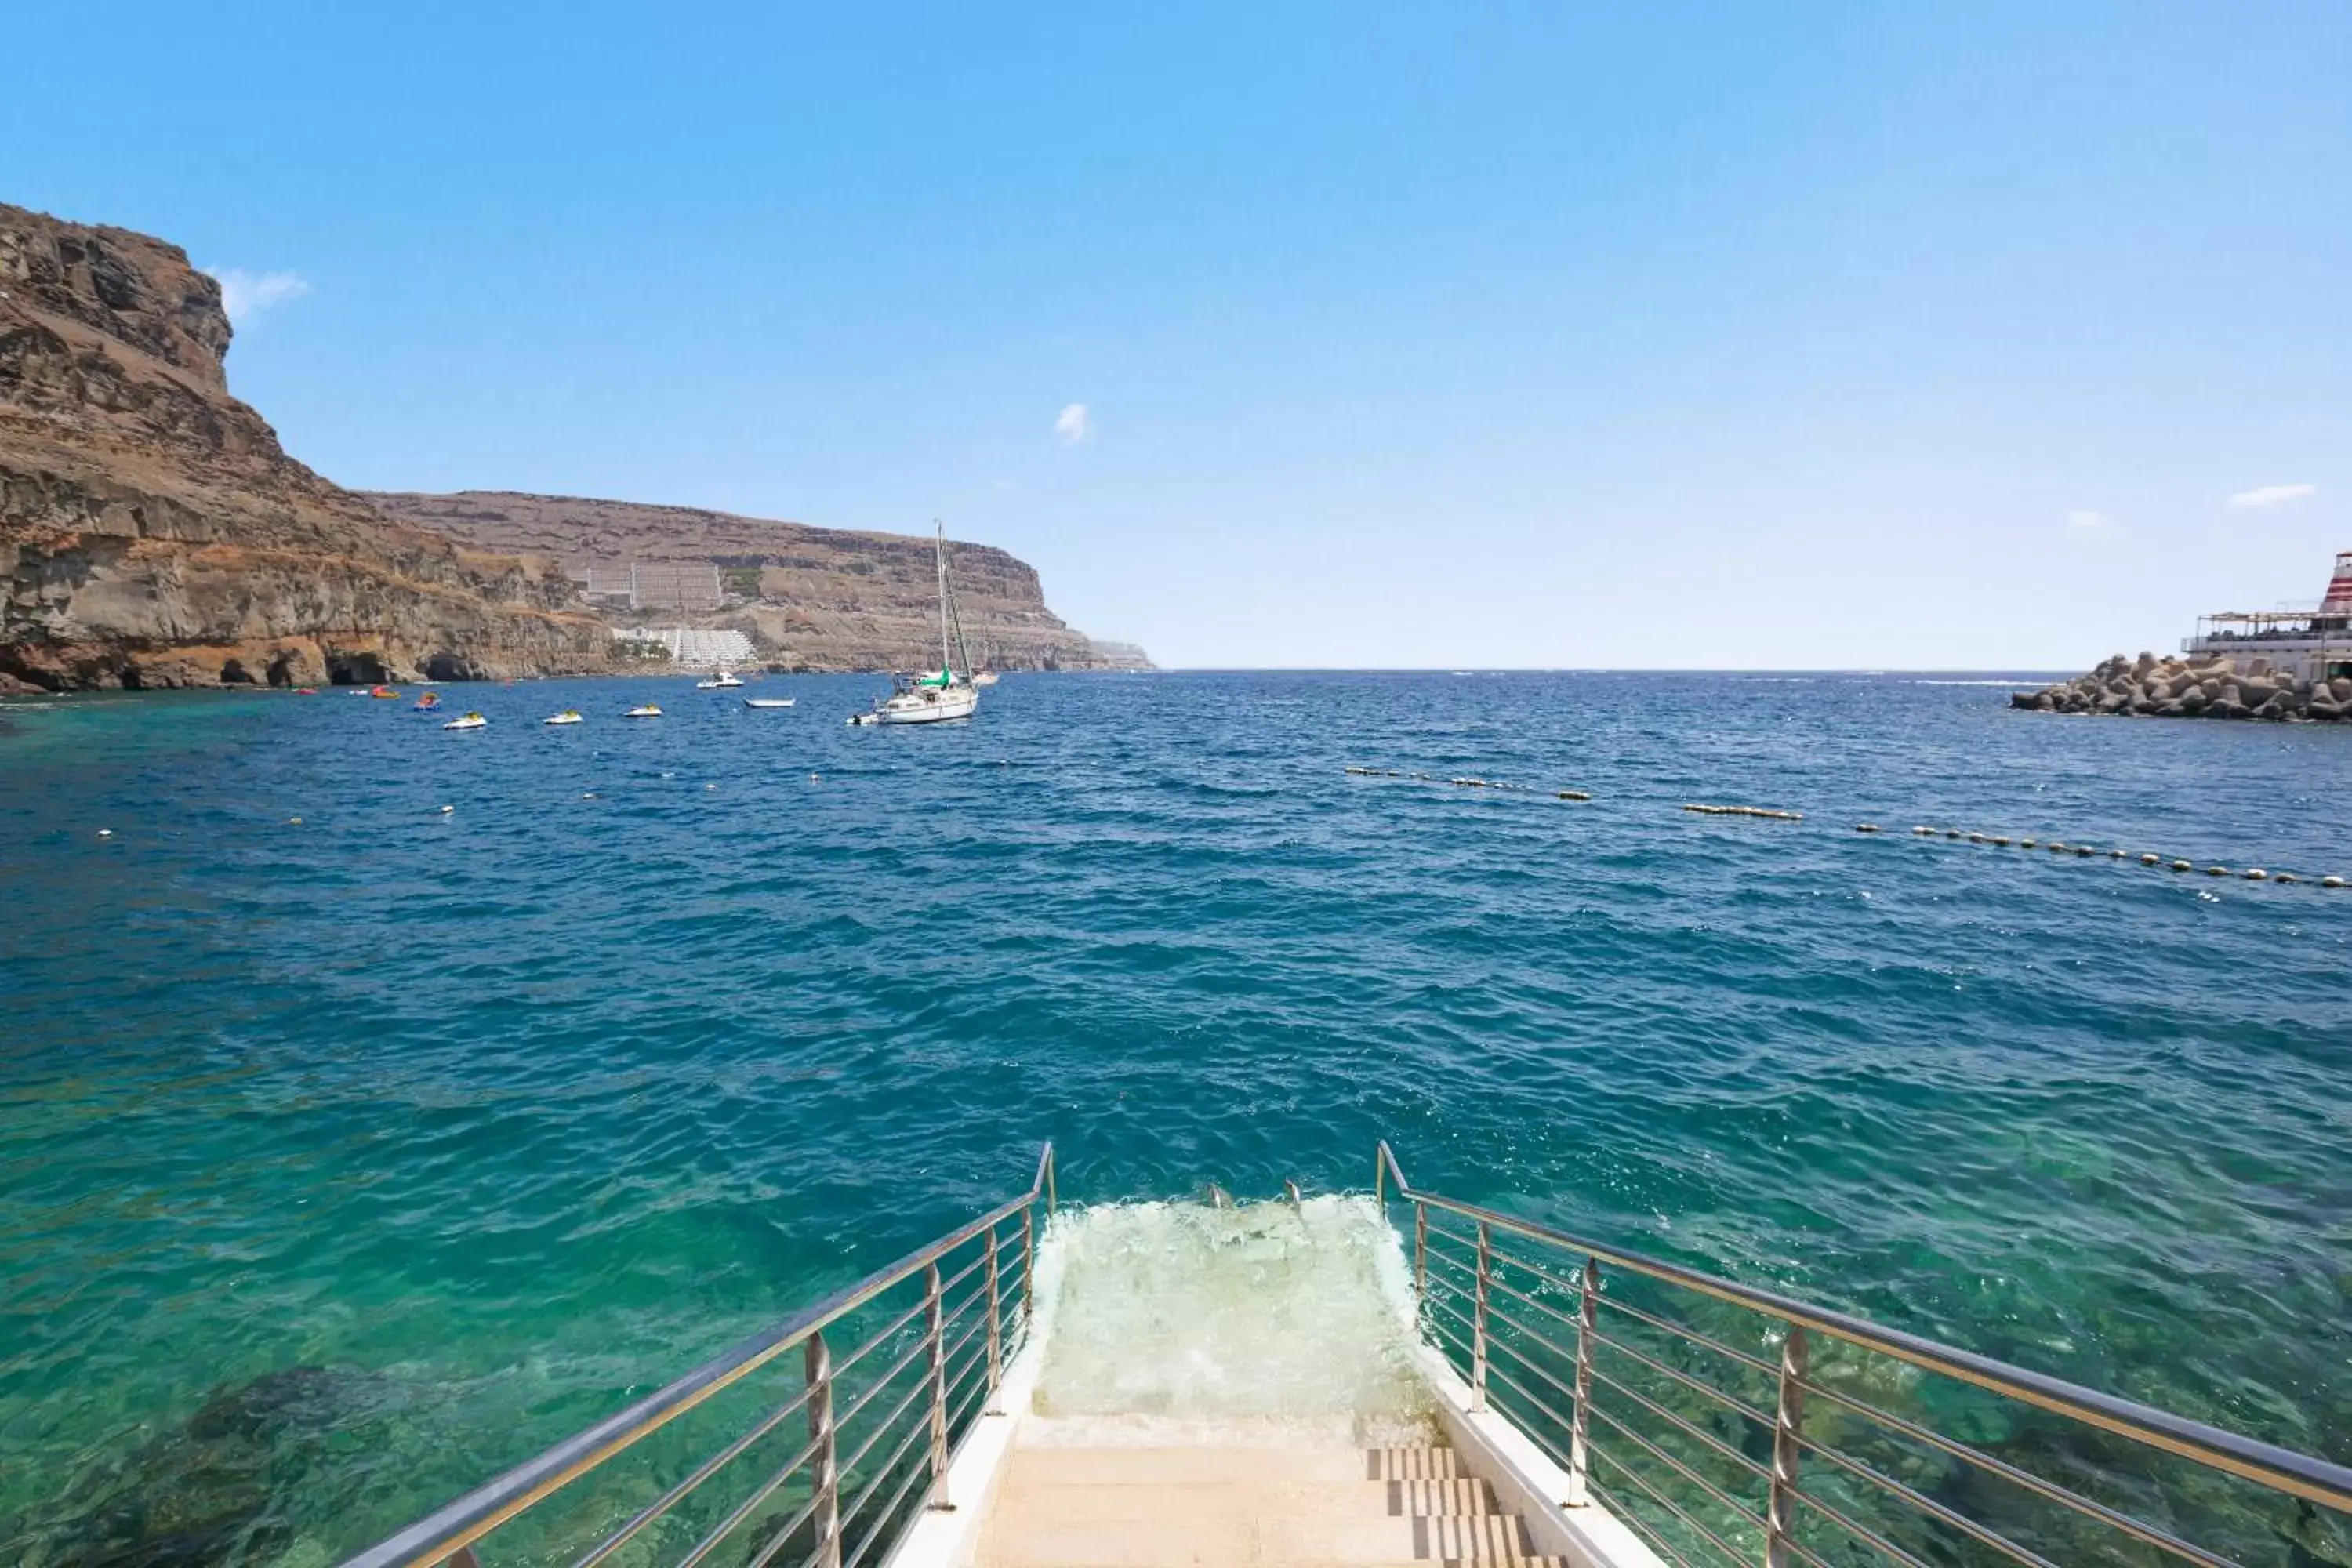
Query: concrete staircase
{"points": [[1068, 1506]]}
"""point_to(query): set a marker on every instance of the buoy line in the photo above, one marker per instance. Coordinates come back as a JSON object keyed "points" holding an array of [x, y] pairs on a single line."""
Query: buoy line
{"points": [[2086, 851], [1465, 783], [1746, 811]]}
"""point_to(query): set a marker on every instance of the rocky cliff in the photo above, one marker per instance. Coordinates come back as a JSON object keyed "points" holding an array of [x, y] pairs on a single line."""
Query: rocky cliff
{"points": [[153, 531], [824, 598]]}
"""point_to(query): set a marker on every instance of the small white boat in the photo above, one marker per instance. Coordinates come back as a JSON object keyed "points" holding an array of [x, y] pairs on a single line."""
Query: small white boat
{"points": [[569, 716], [468, 721], [725, 681], [985, 678], [767, 701], [643, 711]]}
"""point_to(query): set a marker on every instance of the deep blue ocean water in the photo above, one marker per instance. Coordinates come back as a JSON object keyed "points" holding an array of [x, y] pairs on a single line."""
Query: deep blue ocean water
{"points": [[510, 1112]]}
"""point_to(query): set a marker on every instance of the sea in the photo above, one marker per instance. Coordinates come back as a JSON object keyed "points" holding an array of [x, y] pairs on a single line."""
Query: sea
{"points": [[467, 1085]]}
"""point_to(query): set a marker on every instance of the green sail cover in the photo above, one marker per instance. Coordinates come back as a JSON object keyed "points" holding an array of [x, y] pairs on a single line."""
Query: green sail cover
{"points": [[944, 678]]}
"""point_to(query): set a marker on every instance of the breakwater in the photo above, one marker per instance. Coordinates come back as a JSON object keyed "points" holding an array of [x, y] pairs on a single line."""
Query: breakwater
{"points": [[2206, 688]]}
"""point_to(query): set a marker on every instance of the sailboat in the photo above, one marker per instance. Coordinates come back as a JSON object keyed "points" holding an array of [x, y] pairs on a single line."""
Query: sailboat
{"points": [[943, 693]]}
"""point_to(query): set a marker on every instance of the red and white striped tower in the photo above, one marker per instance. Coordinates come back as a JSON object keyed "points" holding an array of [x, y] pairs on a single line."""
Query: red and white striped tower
{"points": [[2340, 588]]}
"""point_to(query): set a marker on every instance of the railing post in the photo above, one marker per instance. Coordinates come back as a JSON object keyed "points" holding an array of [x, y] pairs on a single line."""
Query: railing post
{"points": [[1479, 1349], [1028, 1273], [825, 1476], [935, 1329], [1052, 1203], [995, 1330], [1788, 1421], [1588, 1328], [1381, 1179], [1421, 1253]]}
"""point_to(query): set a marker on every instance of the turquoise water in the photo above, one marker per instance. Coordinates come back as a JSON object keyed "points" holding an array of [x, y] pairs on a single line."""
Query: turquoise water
{"points": [[454, 1130]]}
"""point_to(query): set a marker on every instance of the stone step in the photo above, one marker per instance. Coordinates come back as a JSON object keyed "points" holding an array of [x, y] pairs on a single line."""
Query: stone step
{"points": [[1108, 1500], [1028, 1541], [1096, 1467]]}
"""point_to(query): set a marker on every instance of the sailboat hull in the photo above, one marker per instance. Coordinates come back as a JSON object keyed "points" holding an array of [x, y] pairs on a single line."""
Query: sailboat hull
{"points": [[928, 707]]}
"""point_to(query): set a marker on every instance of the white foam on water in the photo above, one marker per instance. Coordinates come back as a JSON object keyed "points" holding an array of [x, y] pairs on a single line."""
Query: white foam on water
{"points": [[1180, 1323]]}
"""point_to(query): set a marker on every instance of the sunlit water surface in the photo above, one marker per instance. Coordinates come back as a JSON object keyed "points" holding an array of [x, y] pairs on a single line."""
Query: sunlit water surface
{"points": [[454, 1128]]}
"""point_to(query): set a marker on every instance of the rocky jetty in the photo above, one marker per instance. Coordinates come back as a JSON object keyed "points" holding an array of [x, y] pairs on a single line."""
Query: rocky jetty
{"points": [[2211, 687], [811, 598], [153, 532]]}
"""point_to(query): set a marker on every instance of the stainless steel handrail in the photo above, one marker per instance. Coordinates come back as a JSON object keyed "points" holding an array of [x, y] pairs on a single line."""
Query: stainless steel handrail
{"points": [[449, 1531], [2281, 1469]]}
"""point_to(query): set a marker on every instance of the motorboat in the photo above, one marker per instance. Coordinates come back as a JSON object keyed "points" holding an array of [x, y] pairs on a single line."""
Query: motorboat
{"points": [[643, 711], [569, 716], [725, 680], [467, 722], [940, 694], [985, 678], [384, 691], [767, 701], [429, 702]]}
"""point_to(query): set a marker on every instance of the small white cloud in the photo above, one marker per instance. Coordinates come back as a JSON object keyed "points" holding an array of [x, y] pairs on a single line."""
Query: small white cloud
{"points": [[2091, 521], [246, 294], [2272, 495], [1074, 424]]}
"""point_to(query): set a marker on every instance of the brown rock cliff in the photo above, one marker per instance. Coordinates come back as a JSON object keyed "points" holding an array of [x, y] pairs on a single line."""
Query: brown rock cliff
{"points": [[153, 531], [830, 598]]}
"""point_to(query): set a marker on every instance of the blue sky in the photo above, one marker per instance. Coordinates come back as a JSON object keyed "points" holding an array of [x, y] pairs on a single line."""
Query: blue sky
{"points": [[1799, 335]]}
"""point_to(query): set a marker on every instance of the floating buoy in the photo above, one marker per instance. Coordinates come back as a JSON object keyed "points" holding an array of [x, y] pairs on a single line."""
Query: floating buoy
{"points": [[2056, 848], [293, 822], [1866, 828], [2025, 844], [1924, 832], [2284, 876], [448, 809], [1976, 838], [1574, 794], [710, 786], [2150, 860], [1754, 811], [591, 795], [2331, 881], [2002, 842], [2182, 866], [1365, 772], [2217, 870], [106, 833], [2084, 850], [2256, 874], [1952, 833], [2117, 854]]}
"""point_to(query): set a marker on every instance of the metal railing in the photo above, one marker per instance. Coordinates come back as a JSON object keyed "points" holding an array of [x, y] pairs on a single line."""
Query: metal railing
{"points": [[1726, 1422], [879, 1441]]}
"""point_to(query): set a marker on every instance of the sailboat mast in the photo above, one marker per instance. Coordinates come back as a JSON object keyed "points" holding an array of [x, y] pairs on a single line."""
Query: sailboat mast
{"points": [[940, 550]]}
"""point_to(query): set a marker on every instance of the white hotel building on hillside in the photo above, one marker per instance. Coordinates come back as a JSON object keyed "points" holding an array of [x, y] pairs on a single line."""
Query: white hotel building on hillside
{"points": [[2311, 642]]}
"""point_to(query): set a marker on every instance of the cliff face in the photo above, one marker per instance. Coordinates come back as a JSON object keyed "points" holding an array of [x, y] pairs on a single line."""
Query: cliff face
{"points": [[830, 598], [152, 532]]}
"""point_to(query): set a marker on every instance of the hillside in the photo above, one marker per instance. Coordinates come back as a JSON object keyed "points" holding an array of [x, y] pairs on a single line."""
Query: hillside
{"points": [[828, 599], [153, 532]]}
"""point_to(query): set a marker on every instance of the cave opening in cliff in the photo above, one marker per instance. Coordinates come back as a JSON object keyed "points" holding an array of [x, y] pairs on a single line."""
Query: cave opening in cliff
{"points": [[281, 671], [234, 673], [354, 669], [449, 667]]}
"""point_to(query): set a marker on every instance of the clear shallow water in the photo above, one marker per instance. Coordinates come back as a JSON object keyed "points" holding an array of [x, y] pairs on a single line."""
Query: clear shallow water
{"points": [[502, 1116]]}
